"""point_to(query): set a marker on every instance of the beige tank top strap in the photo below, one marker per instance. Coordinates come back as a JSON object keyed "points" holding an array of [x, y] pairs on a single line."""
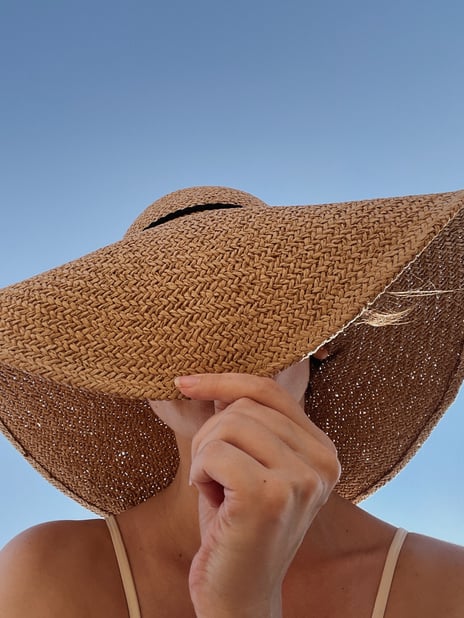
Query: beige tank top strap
{"points": [[388, 572], [131, 593], [124, 568]]}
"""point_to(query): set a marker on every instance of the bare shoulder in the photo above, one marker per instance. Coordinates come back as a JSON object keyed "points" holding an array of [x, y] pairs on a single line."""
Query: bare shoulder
{"points": [[429, 580], [58, 569]]}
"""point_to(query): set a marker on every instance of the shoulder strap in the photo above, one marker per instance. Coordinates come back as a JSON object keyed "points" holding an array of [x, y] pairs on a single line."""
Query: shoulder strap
{"points": [[388, 572], [124, 568]]}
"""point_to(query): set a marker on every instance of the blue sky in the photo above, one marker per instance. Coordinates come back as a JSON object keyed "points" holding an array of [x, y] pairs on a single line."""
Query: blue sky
{"points": [[106, 106]]}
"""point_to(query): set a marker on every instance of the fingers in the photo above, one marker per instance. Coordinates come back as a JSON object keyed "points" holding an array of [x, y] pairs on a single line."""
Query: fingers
{"points": [[268, 443], [231, 388], [277, 437], [228, 387], [288, 451], [227, 465], [261, 431], [220, 471], [261, 435]]}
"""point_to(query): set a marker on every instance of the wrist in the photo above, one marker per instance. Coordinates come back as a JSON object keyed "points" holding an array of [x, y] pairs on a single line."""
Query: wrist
{"points": [[269, 608]]}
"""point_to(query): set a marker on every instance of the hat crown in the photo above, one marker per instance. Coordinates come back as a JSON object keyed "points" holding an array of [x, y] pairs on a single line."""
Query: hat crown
{"points": [[187, 198]]}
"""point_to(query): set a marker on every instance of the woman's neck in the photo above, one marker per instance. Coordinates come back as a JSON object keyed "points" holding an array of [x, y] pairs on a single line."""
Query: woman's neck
{"points": [[167, 524]]}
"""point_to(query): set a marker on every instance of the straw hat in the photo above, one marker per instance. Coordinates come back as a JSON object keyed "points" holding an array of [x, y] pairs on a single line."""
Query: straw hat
{"points": [[211, 279]]}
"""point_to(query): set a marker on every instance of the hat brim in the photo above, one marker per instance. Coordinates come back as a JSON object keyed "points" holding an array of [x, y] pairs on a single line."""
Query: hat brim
{"points": [[250, 290]]}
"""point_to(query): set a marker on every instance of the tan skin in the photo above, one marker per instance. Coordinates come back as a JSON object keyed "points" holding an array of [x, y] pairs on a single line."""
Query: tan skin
{"points": [[259, 532]]}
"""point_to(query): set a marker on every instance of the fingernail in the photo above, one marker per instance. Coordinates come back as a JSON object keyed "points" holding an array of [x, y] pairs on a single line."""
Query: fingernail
{"points": [[186, 381]]}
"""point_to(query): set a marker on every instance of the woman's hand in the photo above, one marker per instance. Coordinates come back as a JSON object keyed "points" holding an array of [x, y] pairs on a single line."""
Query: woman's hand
{"points": [[263, 471]]}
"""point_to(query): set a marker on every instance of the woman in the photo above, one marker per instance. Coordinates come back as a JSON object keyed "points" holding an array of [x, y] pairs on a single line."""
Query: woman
{"points": [[253, 522]]}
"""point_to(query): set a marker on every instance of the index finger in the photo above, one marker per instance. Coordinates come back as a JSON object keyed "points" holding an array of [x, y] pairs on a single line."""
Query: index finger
{"points": [[228, 387]]}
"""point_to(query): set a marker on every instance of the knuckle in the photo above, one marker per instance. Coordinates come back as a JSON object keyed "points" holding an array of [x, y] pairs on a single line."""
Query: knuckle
{"points": [[332, 468], [240, 404], [211, 448], [310, 486], [316, 481], [265, 386], [330, 445], [326, 460], [228, 425]]}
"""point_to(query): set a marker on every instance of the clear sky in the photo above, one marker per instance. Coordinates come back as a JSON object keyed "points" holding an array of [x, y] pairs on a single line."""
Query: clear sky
{"points": [[106, 106]]}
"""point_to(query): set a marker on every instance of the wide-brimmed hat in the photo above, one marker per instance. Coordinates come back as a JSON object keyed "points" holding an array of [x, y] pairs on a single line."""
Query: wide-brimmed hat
{"points": [[212, 279]]}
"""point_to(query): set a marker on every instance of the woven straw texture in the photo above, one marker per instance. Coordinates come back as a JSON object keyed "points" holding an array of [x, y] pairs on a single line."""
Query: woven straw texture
{"points": [[250, 289]]}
